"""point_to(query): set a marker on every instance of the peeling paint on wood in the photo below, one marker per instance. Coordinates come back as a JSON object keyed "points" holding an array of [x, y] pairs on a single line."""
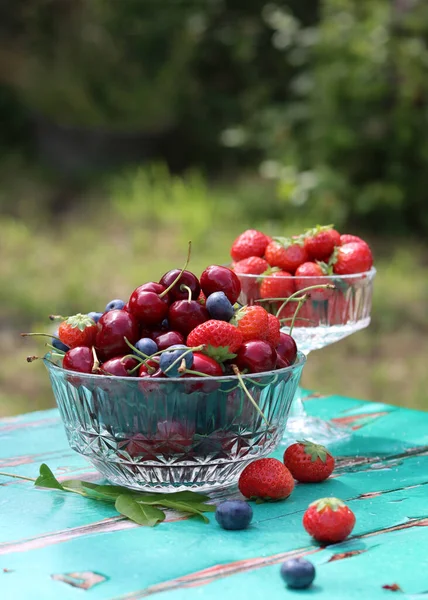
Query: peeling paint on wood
{"points": [[63, 546]]}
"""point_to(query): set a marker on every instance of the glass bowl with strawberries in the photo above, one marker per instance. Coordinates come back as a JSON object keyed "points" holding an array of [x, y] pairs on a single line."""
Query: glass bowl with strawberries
{"points": [[319, 285], [177, 388]]}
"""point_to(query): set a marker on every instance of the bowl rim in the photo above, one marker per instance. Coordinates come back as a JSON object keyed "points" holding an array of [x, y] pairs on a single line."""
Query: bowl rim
{"points": [[363, 275], [299, 362]]}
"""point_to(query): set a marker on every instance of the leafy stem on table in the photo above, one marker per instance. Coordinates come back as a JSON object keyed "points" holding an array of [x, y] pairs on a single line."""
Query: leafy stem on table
{"points": [[141, 507]]}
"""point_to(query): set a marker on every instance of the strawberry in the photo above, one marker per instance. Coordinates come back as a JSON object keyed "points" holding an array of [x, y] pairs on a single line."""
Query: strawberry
{"points": [[287, 254], [252, 322], [352, 257], [305, 316], [253, 265], [279, 284], [249, 243], [346, 238], [311, 273], [78, 330], [329, 520], [321, 241], [338, 309], [308, 462], [266, 478], [221, 339], [274, 327], [201, 298]]}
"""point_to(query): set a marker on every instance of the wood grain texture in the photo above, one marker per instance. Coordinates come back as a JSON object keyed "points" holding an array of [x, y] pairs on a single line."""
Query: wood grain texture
{"points": [[55, 545]]}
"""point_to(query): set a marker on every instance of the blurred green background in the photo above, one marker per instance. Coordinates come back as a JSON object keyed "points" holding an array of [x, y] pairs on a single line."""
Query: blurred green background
{"points": [[129, 127]]}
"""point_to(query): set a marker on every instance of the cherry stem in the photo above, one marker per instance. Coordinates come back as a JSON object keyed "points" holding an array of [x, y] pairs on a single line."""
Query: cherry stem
{"points": [[180, 359], [57, 318], [56, 350], [180, 274], [31, 359], [247, 393], [298, 307], [326, 286], [96, 365], [189, 291], [192, 372], [3, 474], [49, 335]]}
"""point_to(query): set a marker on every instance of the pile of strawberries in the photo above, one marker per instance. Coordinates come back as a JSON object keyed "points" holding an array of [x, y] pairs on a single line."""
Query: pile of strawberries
{"points": [[181, 326], [328, 520]]}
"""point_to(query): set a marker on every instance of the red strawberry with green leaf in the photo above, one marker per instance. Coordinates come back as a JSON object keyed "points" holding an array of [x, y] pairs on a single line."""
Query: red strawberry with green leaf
{"points": [[274, 330], [249, 243], [286, 253], [252, 322], [308, 462], [329, 520], [321, 241], [266, 479], [78, 330], [352, 257], [247, 271], [221, 339]]}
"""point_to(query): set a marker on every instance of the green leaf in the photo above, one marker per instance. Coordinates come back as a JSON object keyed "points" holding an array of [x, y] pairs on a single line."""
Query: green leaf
{"points": [[189, 508], [94, 491], [142, 514], [47, 479]]}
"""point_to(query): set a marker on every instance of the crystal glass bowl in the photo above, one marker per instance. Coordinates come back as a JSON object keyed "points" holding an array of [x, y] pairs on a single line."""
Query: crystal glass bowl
{"points": [[174, 434]]}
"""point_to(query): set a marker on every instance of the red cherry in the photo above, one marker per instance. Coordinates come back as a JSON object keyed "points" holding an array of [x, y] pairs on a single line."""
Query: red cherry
{"points": [[256, 356], [113, 327], [178, 291], [148, 306], [221, 279], [184, 316], [168, 338], [205, 364], [115, 366], [79, 359], [286, 350]]}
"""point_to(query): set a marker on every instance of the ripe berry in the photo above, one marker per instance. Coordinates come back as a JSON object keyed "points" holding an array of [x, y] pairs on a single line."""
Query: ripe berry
{"points": [[252, 322], [78, 330], [253, 265], [118, 366], [274, 333], [219, 306], [116, 304], [171, 360], [298, 573], [280, 284], [346, 238], [352, 257], [287, 348], [79, 359], [266, 478], [320, 242], [148, 306], [309, 462], [220, 279], [287, 255], [113, 327], [249, 243], [309, 274], [329, 520], [178, 290], [167, 339], [185, 315], [221, 339], [58, 344], [234, 514], [146, 346], [256, 356]]}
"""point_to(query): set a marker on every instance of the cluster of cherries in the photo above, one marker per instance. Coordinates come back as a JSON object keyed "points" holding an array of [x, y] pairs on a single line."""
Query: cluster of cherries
{"points": [[180, 326]]}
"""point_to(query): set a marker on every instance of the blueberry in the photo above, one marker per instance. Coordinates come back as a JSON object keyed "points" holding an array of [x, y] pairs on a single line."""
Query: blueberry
{"points": [[298, 573], [115, 305], [95, 316], [58, 344], [219, 306], [147, 346], [173, 355], [234, 514], [165, 324]]}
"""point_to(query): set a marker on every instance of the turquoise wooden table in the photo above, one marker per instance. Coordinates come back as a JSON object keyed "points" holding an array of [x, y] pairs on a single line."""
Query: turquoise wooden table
{"points": [[55, 545]]}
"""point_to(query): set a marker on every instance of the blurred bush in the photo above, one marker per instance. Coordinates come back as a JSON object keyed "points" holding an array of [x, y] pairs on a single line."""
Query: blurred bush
{"points": [[327, 98]]}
